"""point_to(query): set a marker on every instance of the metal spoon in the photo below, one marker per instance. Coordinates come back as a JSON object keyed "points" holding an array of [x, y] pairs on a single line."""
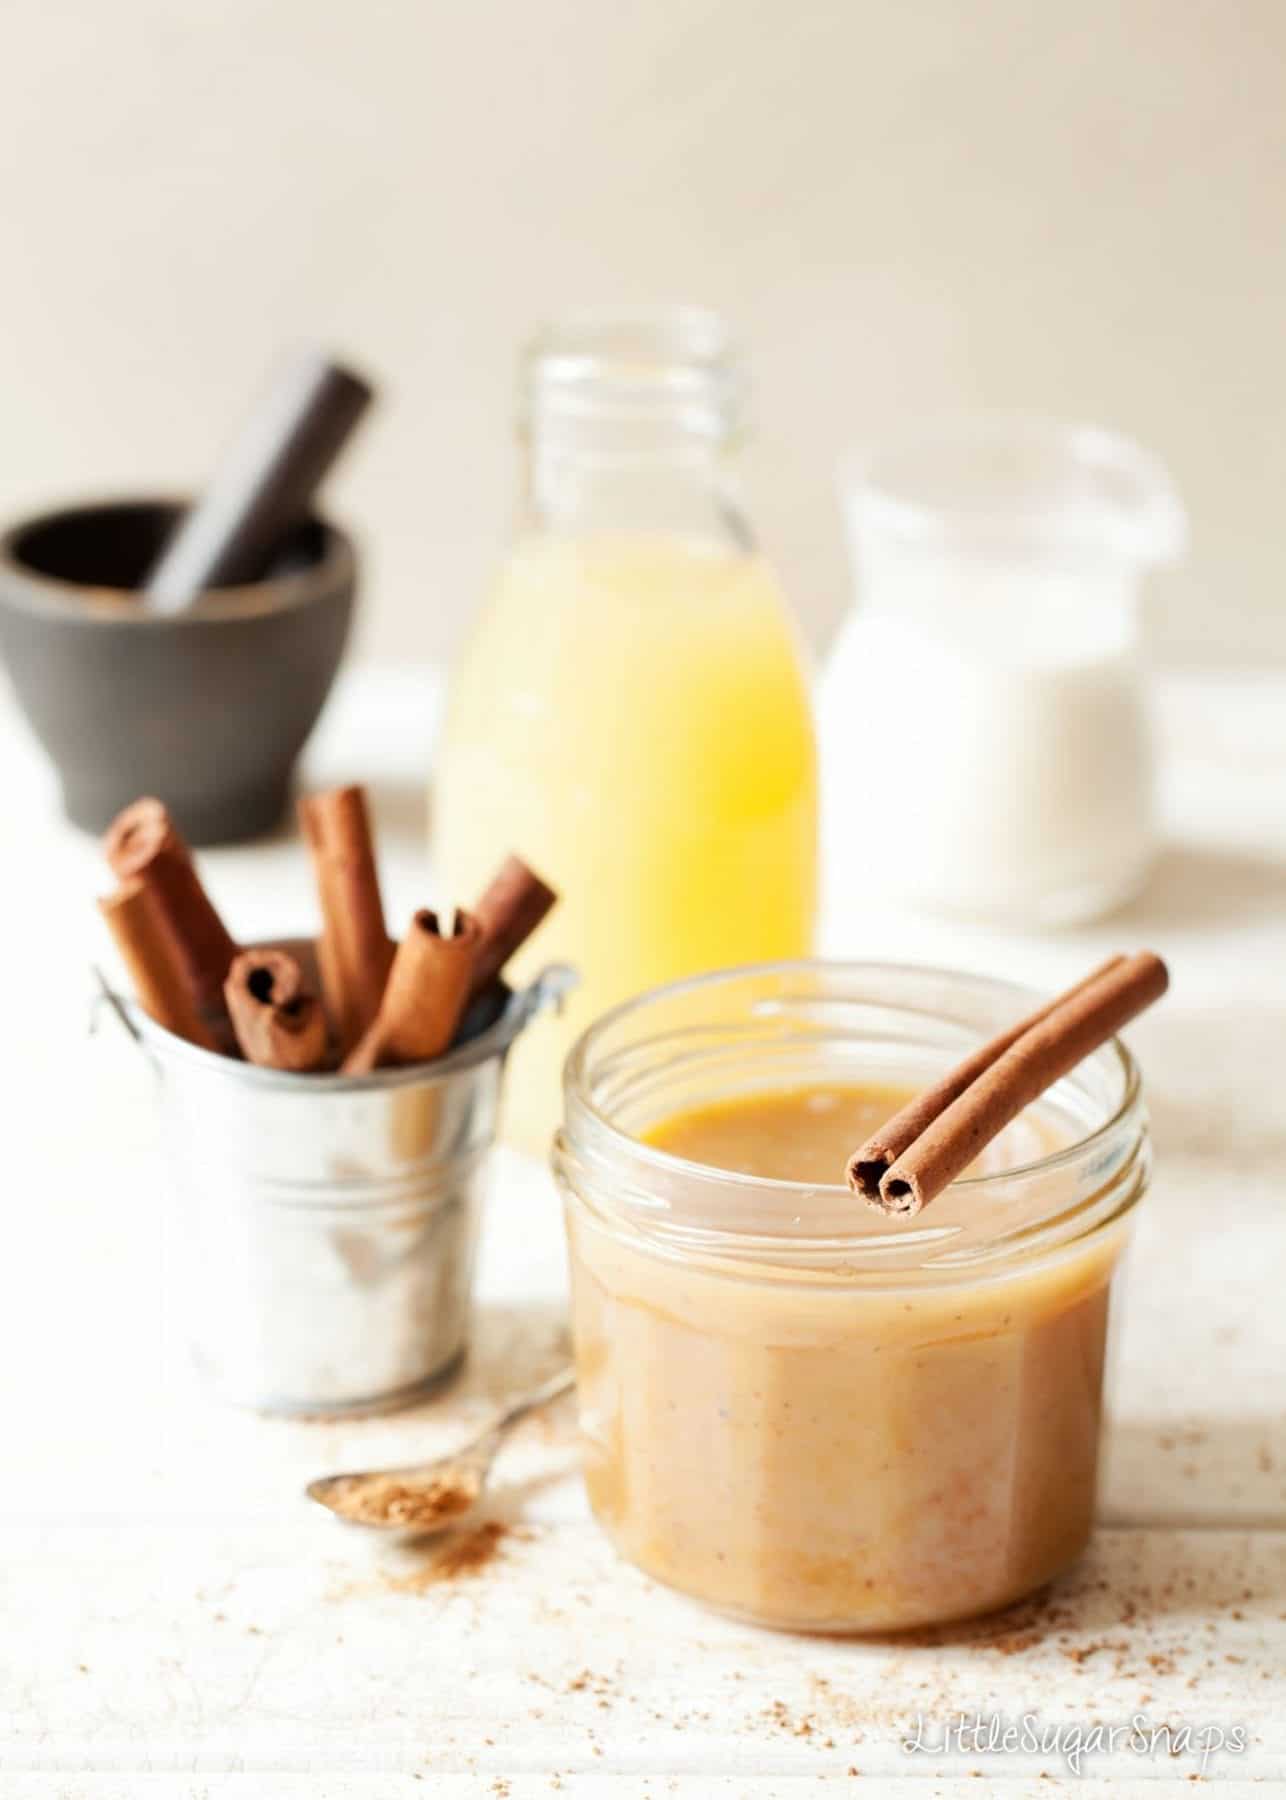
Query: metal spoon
{"points": [[431, 1496]]}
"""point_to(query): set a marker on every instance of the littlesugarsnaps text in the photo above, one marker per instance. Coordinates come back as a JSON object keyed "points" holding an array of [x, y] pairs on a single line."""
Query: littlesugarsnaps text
{"points": [[1073, 1742]]}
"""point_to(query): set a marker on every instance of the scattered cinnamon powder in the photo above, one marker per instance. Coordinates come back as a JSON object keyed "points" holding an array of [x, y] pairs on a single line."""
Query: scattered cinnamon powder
{"points": [[463, 1555], [388, 1500], [473, 1551], [780, 1715]]}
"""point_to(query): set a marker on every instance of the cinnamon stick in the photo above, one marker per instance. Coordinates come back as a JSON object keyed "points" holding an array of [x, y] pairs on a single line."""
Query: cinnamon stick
{"points": [[137, 918], [512, 907], [143, 844], [278, 1024], [1082, 1020], [427, 992], [354, 952], [868, 1166]]}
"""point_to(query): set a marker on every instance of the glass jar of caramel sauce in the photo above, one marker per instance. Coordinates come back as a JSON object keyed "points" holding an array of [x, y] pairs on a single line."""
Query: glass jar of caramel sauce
{"points": [[798, 1411]]}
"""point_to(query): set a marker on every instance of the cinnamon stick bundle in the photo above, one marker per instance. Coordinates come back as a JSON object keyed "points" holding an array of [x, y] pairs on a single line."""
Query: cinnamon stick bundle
{"points": [[278, 1024], [138, 920], [385, 1004], [143, 844], [354, 952], [919, 1152], [513, 906], [424, 1001]]}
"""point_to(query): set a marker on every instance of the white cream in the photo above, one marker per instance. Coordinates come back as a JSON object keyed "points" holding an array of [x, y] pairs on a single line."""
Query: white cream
{"points": [[994, 749], [989, 746]]}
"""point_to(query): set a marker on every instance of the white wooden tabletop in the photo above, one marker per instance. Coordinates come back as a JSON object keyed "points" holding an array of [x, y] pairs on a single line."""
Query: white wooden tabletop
{"points": [[176, 1621]]}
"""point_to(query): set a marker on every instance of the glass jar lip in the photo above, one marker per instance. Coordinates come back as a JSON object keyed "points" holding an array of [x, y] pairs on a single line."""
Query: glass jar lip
{"points": [[576, 1084], [1019, 477]]}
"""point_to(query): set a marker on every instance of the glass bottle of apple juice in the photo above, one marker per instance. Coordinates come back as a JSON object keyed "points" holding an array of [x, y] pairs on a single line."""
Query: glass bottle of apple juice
{"points": [[632, 715]]}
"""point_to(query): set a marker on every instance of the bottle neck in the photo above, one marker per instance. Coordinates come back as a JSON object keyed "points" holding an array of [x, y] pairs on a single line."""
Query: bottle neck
{"points": [[630, 424], [688, 492]]}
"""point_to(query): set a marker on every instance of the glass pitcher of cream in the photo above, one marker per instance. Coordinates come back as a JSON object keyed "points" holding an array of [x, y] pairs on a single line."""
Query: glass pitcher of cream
{"points": [[991, 675], [631, 716]]}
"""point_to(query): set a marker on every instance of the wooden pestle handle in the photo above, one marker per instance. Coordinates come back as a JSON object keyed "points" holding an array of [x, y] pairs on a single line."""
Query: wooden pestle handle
{"points": [[263, 486]]}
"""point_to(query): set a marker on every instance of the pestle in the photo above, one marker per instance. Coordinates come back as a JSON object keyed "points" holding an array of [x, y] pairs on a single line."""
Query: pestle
{"points": [[263, 486]]}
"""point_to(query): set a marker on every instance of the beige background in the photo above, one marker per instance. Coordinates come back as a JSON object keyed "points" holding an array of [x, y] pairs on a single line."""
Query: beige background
{"points": [[1075, 205]]}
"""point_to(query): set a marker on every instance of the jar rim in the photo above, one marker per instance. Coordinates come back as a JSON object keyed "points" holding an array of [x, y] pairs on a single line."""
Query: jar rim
{"points": [[574, 1068], [609, 1141], [1019, 477]]}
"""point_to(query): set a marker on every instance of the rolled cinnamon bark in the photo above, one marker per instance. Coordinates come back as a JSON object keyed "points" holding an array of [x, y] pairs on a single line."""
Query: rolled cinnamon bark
{"points": [[277, 1023], [868, 1166], [514, 904], [427, 992], [142, 843], [1085, 1019], [354, 952], [139, 922]]}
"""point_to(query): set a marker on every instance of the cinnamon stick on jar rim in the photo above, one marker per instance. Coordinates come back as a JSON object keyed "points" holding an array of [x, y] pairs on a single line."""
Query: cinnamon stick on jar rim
{"points": [[513, 906], [142, 843], [354, 951], [138, 920], [278, 1024], [424, 1001], [1050, 1044], [868, 1166]]}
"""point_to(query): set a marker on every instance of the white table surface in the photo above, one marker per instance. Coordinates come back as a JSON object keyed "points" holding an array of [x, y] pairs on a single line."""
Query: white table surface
{"points": [[175, 1621]]}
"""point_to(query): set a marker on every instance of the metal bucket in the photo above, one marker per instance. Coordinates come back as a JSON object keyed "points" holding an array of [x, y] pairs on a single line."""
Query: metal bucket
{"points": [[328, 1222]]}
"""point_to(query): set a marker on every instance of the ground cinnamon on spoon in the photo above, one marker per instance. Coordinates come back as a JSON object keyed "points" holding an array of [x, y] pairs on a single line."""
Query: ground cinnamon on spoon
{"points": [[390, 1500]]}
